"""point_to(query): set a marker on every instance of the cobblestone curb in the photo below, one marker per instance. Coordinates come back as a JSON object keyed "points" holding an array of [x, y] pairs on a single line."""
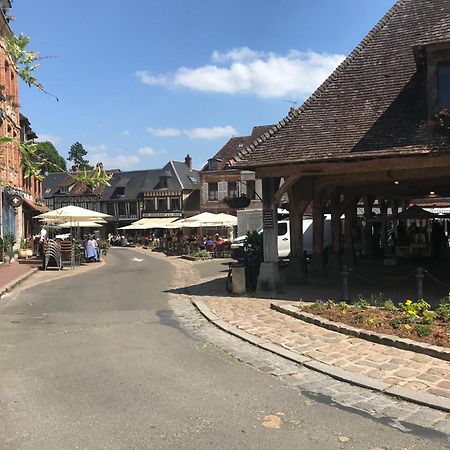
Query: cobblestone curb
{"points": [[10, 286], [429, 400], [378, 338]]}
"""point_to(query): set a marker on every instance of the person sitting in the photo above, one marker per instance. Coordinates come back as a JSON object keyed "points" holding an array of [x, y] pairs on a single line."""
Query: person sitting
{"points": [[91, 250], [209, 244]]}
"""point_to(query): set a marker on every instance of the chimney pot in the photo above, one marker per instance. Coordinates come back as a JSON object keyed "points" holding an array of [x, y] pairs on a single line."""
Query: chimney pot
{"points": [[188, 161]]}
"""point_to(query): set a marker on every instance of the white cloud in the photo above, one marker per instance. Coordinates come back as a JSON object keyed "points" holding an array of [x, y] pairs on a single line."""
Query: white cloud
{"points": [[149, 151], [97, 148], [114, 161], [195, 133], [210, 133], [164, 132], [49, 137], [267, 75]]}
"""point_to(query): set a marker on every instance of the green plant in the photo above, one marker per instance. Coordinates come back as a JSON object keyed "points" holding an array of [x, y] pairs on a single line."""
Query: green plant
{"points": [[415, 309], [8, 242], [253, 246], [428, 317], [389, 305], [200, 254], [362, 303], [343, 305], [443, 311], [329, 304], [423, 330], [23, 244], [442, 119], [396, 323]]}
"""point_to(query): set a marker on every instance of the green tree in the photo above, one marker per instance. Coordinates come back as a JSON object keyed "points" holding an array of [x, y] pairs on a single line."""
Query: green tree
{"points": [[52, 160], [77, 155]]}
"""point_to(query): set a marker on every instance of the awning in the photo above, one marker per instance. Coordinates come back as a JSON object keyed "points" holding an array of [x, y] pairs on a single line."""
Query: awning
{"points": [[36, 206]]}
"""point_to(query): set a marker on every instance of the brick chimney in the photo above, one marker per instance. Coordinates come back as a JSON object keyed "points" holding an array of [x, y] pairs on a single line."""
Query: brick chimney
{"points": [[188, 161]]}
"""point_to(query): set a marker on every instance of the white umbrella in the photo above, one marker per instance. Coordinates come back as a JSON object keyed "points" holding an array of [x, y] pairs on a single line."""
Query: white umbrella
{"points": [[206, 219], [87, 224], [72, 213], [149, 223]]}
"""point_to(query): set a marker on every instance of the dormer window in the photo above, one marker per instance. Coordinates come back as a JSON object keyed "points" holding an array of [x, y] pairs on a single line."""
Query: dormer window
{"points": [[444, 85], [212, 164], [163, 182]]}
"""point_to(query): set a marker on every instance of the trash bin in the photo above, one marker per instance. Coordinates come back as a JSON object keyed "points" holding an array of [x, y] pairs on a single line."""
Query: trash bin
{"points": [[238, 279]]}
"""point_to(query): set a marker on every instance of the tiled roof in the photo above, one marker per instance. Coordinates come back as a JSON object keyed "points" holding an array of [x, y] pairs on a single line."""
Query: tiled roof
{"points": [[235, 144], [374, 103]]}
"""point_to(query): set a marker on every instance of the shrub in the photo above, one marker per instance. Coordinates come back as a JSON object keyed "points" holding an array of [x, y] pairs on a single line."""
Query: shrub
{"points": [[343, 305], [362, 303], [428, 317], [423, 330], [389, 305], [396, 323], [200, 254], [329, 304], [443, 311]]}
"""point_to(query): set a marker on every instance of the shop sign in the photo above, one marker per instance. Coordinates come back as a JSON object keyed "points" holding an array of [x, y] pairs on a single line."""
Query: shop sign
{"points": [[15, 201], [268, 218]]}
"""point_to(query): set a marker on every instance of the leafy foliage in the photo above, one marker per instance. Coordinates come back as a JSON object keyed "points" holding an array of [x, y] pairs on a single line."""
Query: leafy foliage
{"points": [[77, 154], [52, 160]]}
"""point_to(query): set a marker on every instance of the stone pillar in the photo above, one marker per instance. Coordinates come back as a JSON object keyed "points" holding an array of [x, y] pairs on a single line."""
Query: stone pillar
{"points": [[334, 260], [317, 268], [269, 275]]}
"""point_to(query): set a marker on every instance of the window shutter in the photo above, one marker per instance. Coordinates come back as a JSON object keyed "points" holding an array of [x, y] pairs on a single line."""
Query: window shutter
{"points": [[204, 193], [222, 189]]}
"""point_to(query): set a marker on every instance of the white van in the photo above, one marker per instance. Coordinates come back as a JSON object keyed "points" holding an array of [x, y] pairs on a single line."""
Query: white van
{"points": [[284, 238]]}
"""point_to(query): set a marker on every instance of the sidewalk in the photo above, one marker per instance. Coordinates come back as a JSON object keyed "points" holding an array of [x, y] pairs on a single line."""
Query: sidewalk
{"points": [[420, 377], [13, 274]]}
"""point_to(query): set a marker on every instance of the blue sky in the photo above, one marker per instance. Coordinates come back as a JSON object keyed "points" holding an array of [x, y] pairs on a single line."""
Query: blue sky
{"points": [[145, 81]]}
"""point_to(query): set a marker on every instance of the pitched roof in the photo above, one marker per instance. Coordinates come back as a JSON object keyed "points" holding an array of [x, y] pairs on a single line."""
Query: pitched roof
{"points": [[373, 104], [235, 144]]}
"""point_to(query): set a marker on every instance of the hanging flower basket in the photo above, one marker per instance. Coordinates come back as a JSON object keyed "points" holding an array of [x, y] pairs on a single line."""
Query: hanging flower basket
{"points": [[442, 119], [238, 202]]}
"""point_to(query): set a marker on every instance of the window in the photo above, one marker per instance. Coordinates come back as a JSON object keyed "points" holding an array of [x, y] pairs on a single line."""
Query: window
{"points": [[149, 204], [193, 179], [162, 182], [251, 189], [110, 209], [213, 193], [232, 189], [122, 209], [133, 209], [212, 164], [282, 228], [175, 204], [444, 85], [162, 204], [63, 190]]}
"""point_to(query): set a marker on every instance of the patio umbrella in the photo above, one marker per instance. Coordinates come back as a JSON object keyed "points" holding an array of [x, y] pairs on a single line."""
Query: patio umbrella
{"points": [[149, 223], [87, 224], [415, 212], [207, 219], [72, 214]]}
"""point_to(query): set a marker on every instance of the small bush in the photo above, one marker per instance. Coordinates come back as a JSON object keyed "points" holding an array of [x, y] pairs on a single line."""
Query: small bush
{"points": [[362, 303], [423, 330], [329, 303], [443, 311], [343, 305], [389, 305]]}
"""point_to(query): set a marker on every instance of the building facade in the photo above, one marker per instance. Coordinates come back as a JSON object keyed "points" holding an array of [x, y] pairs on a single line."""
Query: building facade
{"points": [[21, 197], [221, 182]]}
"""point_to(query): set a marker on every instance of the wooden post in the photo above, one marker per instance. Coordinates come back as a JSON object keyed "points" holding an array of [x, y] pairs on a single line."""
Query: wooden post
{"points": [[297, 271], [368, 214], [350, 216], [317, 268], [384, 225], [269, 275], [334, 261]]}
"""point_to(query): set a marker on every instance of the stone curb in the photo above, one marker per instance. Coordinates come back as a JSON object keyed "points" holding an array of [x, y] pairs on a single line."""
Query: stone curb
{"points": [[378, 338], [11, 285], [425, 399]]}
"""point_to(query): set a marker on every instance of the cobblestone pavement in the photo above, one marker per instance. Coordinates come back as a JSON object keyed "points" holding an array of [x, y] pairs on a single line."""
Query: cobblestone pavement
{"points": [[407, 369]]}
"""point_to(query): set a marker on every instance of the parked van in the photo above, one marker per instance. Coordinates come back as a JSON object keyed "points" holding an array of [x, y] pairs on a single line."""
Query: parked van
{"points": [[284, 238]]}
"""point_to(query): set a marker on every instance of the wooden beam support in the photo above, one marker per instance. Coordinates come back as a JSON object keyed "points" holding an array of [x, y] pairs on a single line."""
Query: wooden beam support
{"points": [[283, 189], [376, 164]]}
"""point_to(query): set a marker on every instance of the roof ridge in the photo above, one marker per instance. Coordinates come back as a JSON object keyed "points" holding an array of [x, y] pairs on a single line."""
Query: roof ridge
{"points": [[248, 150]]}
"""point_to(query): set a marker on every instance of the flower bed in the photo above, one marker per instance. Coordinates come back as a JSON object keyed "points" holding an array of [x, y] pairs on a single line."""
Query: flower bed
{"points": [[410, 320]]}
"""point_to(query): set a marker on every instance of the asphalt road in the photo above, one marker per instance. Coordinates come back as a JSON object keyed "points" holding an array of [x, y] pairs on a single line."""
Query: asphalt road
{"points": [[99, 361]]}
